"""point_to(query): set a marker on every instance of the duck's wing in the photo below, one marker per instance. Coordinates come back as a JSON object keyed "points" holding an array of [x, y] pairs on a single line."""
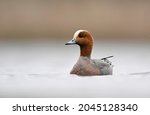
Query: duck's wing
{"points": [[102, 63], [105, 66]]}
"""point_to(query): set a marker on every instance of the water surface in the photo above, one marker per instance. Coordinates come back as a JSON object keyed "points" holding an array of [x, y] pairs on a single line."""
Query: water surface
{"points": [[41, 69]]}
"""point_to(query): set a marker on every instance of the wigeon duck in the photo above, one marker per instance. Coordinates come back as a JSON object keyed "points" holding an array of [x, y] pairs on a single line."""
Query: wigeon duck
{"points": [[86, 66]]}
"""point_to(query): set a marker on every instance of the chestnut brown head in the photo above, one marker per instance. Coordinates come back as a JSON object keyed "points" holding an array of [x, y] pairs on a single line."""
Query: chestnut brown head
{"points": [[85, 40], [81, 37]]}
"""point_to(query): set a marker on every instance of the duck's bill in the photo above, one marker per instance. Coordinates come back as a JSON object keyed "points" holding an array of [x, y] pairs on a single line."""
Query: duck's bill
{"points": [[71, 42]]}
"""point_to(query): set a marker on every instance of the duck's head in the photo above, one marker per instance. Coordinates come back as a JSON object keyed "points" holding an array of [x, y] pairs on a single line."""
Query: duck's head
{"points": [[84, 39], [81, 37]]}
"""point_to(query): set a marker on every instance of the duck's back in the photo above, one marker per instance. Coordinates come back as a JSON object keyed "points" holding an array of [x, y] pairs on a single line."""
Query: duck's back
{"points": [[104, 66]]}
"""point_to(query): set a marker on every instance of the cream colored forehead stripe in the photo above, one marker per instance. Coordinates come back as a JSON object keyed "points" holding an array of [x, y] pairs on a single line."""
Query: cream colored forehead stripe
{"points": [[77, 33]]}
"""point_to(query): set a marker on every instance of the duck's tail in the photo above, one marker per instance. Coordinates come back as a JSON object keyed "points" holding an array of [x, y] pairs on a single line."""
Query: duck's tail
{"points": [[106, 57]]}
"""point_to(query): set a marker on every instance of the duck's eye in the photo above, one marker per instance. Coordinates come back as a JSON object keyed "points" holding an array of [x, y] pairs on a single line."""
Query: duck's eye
{"points": [[82, 35]]}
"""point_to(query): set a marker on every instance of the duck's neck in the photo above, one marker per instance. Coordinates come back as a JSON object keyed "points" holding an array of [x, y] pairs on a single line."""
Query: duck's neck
{"points": [[86, 50]]}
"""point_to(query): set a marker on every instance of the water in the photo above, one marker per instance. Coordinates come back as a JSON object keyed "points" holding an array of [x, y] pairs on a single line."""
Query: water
{"points": [[41, 69]]}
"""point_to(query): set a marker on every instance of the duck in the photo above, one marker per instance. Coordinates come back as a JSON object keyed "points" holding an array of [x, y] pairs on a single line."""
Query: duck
{"points": [[85, 66]]}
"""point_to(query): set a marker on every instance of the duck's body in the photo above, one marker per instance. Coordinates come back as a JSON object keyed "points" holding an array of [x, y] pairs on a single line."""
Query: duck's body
{"points": [[85, 65]]}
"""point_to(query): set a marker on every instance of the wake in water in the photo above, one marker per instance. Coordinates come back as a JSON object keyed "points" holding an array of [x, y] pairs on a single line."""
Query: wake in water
{"points": [[141, 73]]}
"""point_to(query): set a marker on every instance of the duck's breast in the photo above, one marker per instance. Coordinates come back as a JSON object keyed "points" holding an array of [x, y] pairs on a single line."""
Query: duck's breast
{"points": [[85, 66]]}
